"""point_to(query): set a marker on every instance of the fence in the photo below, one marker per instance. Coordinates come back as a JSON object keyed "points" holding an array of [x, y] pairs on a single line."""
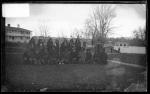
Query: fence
{"points": [[131, 49]]}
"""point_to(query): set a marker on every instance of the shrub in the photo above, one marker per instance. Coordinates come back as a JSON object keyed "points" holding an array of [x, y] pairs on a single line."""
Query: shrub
{"points": [[100, 56]]}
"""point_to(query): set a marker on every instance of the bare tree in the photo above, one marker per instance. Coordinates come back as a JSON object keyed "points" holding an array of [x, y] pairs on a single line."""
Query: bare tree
{"points": [[43, 30], [77, 33], [140, 33], [98, 26]]}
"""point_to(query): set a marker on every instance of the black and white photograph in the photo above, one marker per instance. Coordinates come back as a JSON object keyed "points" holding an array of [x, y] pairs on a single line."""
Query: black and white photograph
{"points": [[74, 47]]}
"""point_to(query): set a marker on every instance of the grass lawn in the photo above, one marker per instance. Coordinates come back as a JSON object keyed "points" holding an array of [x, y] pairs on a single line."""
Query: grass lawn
{"points": [[69, 77], [139, 59], [57, 76]]}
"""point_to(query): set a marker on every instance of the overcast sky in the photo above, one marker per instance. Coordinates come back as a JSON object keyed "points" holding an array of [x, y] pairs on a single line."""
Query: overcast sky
{"points": [[63, 19]]}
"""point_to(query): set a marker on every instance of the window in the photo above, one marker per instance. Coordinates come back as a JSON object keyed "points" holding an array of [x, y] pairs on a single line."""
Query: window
{"points": [[13, 38], [124, 44], [120, 44]]}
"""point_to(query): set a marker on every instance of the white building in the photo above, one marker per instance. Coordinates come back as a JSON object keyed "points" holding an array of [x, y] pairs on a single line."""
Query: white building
{"points": [[17, 34]]}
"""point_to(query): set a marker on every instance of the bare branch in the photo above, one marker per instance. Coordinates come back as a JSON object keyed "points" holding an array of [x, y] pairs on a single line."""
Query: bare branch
{"points": [[99, 24], [43, 30]]}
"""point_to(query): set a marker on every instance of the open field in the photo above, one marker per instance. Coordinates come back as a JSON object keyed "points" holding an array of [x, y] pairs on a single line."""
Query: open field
{"points": [[72, 77]]}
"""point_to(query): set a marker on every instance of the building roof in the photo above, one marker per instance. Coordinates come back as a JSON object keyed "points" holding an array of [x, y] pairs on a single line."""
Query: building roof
{"points": [[121, 42], [17, 28]]}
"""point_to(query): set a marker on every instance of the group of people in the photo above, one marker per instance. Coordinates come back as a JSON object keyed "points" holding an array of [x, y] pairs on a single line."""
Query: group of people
{"points": [[65, 52]]}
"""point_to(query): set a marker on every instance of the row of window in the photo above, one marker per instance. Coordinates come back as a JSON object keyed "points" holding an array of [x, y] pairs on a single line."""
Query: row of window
{"points": [[21, 32], [12, 37]]}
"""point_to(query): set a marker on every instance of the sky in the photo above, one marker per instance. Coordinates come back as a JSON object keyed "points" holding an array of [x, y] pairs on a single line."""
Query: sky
{"points": [[64, 19]]}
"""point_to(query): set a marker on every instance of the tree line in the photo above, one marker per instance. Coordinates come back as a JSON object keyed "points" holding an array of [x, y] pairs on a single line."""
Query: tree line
{"points": [[65, 52]]}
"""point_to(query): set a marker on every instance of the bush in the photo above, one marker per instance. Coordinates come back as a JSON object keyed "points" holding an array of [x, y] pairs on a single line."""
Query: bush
{"points": [[100, 56], [64, 53]]}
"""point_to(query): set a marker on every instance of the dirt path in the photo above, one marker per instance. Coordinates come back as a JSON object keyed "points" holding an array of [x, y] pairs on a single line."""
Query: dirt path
{"points": [[119, 62]]}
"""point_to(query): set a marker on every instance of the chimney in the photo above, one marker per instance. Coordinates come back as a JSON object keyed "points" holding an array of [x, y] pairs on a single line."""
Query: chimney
{"points": [[8, 25], [18, 25]]}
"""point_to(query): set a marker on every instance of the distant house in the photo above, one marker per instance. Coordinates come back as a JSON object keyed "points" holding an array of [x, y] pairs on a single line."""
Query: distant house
{"points": [[109, 48], [17, 34]]}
